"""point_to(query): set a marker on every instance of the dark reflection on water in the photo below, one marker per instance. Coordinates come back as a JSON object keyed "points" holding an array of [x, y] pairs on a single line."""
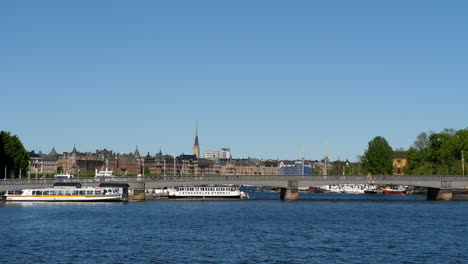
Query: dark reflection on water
{"points": [[324, 228]]}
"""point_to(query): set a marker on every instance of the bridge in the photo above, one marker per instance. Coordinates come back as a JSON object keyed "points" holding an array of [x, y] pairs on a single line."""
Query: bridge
{"points": [[439, 186]]}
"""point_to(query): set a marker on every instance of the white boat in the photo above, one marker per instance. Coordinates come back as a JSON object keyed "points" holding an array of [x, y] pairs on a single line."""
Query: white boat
{"points": [[104, 173], [353, 188], [63, 176], [64, 194], [346, 188], [207, 192]]}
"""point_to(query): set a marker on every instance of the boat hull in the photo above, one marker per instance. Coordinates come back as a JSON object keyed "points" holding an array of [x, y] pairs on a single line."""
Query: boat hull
{"points": [[107, 198], [204, 197], [394, 191], [206, 192], [373, 191]]}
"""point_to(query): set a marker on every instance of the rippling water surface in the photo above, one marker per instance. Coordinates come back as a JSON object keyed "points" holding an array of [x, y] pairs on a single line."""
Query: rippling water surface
{"points": [[323, 228]]}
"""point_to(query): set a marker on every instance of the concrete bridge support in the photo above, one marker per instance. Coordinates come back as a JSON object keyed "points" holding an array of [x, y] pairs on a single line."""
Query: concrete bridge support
{"points": [[290, 193], [436, 194], [139, 191]]}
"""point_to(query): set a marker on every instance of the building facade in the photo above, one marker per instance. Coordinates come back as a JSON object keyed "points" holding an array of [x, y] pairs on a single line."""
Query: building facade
{"points": [[399, 162], [224, 153], [294, 169]]}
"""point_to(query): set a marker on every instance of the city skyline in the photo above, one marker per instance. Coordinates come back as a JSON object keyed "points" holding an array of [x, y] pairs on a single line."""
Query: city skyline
{"points": [[264, 78]]}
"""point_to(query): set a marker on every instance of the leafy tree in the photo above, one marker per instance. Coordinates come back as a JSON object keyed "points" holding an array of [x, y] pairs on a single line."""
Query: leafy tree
{"points": [[13, 155], [436, 142], [415, 160], [440, 155], [147, 171], [378, 158], [422, 141]]}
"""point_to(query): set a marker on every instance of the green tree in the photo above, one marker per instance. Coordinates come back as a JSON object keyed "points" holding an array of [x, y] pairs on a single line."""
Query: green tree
{"points": [[438, 153], [378, 158], [147, 171], [13, 155], [422, 141]]}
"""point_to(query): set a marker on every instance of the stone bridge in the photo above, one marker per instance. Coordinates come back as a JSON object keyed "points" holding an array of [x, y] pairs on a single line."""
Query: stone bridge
{"points": [[439, 186]]}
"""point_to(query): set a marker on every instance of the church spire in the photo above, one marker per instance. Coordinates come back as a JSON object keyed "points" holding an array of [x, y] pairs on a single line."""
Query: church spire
{"points": [[74, 153], [196, 145], [136, 154]]}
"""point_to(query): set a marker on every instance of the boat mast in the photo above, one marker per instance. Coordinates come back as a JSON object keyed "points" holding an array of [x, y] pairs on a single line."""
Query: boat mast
{"points": [[326, 160], [303, 160]]}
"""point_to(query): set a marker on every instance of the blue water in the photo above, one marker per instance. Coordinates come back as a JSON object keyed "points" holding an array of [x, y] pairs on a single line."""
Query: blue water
{"points": [[323, 228]]}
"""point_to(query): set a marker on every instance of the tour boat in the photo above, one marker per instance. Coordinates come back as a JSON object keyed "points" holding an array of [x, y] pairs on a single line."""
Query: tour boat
{"points": [[206, 192], [64, 194]]}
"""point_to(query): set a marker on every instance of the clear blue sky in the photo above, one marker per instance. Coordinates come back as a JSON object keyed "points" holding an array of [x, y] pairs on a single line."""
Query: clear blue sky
{"points": [[261, 77]]}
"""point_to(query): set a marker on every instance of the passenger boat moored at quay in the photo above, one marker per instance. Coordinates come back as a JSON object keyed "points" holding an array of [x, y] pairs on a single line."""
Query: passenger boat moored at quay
{"points": [[64, 194], [207, 192]]}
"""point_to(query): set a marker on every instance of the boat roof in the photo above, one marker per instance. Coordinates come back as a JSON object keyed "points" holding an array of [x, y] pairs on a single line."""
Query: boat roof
{"points": [[227, 185], [114, 185], [67, 184]]}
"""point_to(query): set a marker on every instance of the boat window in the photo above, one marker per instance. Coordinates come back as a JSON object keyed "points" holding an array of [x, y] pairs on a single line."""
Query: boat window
{"points": [[91, 192], [98, 192], [17, 192], [82, 192], [45, 193], [52, 192], [38, 192]]}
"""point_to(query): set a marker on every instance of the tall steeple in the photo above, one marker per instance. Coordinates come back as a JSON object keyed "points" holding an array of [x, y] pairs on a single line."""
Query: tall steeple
{"points": [[136, 154], [196, 146], [74, 153]]}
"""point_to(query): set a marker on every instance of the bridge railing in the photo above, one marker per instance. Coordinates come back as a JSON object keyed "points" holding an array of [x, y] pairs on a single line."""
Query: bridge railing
{"points": [[244, 178]]}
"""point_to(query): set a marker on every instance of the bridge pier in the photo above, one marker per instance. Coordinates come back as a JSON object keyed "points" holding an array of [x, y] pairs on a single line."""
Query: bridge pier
{"points": [[291, 192], [139, 191], [436, 194]]}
